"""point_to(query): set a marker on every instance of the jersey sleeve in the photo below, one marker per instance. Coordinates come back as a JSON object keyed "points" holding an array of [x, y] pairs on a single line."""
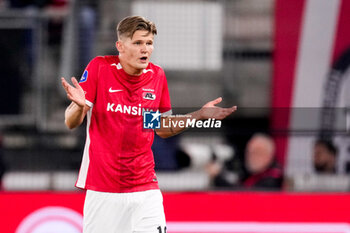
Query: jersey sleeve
{"points": [[165, 103], [88, 81]]}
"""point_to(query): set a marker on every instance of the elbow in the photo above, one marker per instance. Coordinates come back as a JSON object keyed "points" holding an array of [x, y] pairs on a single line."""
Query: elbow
{"points": [[163, 134]]}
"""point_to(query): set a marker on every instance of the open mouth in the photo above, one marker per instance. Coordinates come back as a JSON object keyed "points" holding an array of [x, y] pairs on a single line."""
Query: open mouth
{"points": [[143, 59]]}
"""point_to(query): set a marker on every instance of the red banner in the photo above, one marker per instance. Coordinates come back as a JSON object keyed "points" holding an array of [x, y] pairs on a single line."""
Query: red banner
{"points": [[304, 65], [190, 212]]}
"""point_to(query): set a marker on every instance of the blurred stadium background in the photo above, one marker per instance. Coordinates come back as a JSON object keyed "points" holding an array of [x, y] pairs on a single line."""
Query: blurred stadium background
{"points": [[284, 63]]}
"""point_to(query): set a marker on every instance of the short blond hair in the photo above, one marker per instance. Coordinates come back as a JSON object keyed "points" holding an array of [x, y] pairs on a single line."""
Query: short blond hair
{"points": [[129, 25]]}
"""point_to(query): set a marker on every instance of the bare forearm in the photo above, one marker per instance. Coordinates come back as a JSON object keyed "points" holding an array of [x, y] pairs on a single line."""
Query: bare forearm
{"points": [[208, 111], [74, 115], [172, 126]]}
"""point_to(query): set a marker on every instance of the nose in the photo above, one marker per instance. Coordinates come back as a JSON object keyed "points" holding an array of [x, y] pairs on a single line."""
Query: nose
{"points": [[143, 48]]}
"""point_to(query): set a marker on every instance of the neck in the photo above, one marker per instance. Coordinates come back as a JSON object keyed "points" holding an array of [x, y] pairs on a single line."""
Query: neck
{"points": [[129, 69]]}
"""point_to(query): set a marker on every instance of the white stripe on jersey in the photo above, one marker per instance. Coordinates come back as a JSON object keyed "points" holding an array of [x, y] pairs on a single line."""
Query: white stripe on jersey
{"points": [[86, 160]]}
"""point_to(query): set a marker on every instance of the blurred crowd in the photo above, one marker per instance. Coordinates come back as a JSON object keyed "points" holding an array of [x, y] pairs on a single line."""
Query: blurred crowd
{"points": [[256, 169]]}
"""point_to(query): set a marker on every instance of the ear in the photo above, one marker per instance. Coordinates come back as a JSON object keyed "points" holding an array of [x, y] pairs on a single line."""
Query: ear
{"points": [[119, 45]]}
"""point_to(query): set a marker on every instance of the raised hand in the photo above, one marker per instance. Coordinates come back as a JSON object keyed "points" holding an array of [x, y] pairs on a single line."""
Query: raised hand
{"points": [[209, 110], [74, 93]]}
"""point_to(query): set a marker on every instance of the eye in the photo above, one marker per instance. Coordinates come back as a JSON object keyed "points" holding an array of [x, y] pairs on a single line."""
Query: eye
{"points": [[137, 43], [149, 43]]}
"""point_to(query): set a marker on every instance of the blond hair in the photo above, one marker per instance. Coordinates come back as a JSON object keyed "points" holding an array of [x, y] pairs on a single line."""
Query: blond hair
{"points": [[129, 25]]}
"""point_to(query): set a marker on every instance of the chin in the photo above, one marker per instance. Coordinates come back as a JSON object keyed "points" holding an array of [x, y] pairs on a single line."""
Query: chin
{"points": [[145, 64]]}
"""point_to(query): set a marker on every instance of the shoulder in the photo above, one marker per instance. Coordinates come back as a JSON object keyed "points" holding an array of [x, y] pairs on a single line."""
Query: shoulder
{"points": [[104, 60], [98, 59], [275, 171], [155, 67], [158, 70]]}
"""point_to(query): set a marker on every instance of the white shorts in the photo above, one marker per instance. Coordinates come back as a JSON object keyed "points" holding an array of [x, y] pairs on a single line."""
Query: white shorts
{"points": [[140, 212]]}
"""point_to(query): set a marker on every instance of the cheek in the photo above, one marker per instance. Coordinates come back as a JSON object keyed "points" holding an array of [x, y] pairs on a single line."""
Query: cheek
{"points": [[250, 160], [131, 53]]}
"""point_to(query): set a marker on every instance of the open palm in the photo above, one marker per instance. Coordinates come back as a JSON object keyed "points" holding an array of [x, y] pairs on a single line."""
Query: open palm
{"points": [[209, 110], [74, 93]]}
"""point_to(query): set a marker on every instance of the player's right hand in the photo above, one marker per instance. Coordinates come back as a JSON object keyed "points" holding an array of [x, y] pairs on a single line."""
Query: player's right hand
{"points": [[74, 93]]}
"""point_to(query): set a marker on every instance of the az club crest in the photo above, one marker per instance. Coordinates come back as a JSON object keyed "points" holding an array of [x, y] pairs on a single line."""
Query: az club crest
{"points": [[149, 96]]}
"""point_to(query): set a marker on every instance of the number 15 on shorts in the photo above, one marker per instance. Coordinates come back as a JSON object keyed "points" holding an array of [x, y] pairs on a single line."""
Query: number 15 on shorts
{"points": [[160, 229]]}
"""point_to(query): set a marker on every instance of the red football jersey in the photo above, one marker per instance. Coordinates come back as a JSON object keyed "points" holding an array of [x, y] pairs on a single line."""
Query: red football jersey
{"points": [[117, 154]]}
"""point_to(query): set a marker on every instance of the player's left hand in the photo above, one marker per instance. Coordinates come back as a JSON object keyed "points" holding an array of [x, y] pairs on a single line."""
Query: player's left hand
{"points": [[209, 110]]}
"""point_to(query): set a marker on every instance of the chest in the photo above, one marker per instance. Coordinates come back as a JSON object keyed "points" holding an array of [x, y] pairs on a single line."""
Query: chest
{"points": [[115, 88]]}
